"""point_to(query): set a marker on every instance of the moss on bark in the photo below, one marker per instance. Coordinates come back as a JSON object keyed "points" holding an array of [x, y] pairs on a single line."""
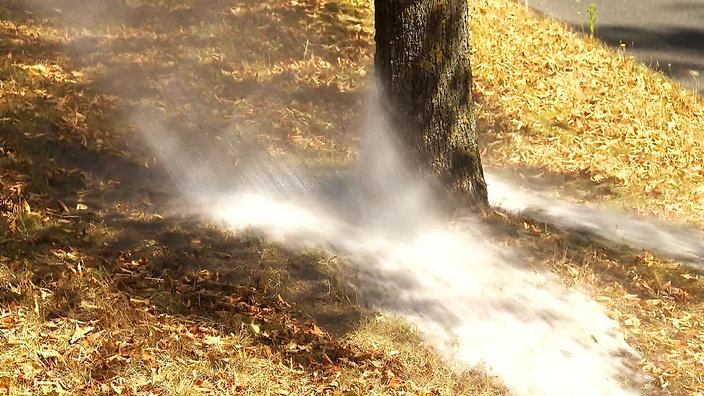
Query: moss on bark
{"points": [[422, 62]]}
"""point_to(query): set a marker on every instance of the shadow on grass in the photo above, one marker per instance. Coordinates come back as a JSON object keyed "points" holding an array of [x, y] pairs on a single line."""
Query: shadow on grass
{"points": [[670, 50], [70, 149], [110, 203]]}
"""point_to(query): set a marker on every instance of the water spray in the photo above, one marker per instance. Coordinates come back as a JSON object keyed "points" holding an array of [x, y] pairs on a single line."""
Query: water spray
{"points": [[477, 303]]}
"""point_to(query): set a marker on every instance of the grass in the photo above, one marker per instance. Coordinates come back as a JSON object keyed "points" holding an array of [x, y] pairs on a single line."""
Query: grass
{"points": [[103, 291], [558, 102], [554, 102]]}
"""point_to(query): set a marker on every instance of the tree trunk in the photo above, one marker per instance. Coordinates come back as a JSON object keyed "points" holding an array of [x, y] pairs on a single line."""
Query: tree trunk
{"points": [[422, 63]]}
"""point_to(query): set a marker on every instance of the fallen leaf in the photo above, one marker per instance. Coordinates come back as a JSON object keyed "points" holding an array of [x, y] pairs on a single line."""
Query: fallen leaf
{"points": [[147, 356], [316, 331], [80, 333], [210, 340], [394, 383], [49, 354]]}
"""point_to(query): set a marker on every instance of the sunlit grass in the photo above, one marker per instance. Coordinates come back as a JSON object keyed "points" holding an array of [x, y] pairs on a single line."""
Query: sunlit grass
{"points": [[102, 300], [625, 122]]}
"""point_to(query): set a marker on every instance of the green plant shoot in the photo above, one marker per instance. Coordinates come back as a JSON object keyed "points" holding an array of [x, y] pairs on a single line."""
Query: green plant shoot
{"points": [[592, 19]]}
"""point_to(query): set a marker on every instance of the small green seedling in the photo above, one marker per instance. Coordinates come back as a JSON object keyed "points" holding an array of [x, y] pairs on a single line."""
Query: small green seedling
{"points": [[592, 19]]}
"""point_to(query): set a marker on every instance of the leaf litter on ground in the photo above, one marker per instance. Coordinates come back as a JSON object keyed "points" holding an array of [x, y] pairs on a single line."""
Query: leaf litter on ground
{"points": [[88, 308]]}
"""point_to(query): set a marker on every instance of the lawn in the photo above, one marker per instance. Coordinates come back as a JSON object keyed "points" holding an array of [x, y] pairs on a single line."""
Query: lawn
{"points": [[107, 288]]}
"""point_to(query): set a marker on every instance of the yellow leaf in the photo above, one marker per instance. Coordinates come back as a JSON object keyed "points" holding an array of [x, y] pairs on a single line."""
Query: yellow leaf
{"points": [[49, 354], [316, 331], [210, 340], [80, 333], [632, 322]]}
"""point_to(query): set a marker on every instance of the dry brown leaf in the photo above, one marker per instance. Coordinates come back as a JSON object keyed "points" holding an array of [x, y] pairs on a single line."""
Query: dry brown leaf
{"points": [[79, 333]]}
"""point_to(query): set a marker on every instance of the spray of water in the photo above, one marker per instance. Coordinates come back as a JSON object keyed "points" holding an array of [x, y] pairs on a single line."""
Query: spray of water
{"points": [[615, 227], [476, 302]]}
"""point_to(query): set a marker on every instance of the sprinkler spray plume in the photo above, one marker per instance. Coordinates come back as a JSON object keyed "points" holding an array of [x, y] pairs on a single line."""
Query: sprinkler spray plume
{"points": [[476, 302]]}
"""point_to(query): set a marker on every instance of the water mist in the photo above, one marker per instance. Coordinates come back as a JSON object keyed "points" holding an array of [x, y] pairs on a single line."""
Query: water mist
{"points": [[612, 227], [477, 303]]}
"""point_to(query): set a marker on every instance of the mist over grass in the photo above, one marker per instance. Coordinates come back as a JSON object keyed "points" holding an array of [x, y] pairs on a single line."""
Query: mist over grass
{"points": [[476, 302], [247, 152]]}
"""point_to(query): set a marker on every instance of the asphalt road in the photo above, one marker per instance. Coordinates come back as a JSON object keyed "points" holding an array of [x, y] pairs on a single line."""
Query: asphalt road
{"points": [[667, 35]]}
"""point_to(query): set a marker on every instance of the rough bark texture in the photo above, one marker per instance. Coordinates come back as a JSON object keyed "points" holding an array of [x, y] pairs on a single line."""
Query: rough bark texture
{"points": [[422, 62]]}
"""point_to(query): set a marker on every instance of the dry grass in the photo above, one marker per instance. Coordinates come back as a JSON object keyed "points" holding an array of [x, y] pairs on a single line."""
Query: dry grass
{"points": [[557, 101], [101, 292], [162, 320], [393, 337], [657, 302]]}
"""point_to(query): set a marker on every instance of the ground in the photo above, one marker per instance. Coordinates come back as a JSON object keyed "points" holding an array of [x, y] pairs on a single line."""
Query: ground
{"points": [[106, 288]]}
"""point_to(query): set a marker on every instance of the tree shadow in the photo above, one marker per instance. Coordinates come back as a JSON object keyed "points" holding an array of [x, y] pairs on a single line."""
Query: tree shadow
{"points": [[129, 227], [642, 38], [72, 144]]}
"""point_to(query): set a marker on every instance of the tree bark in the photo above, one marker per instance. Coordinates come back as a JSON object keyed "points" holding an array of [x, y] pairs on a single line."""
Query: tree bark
{"points": [[422, 64]]}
